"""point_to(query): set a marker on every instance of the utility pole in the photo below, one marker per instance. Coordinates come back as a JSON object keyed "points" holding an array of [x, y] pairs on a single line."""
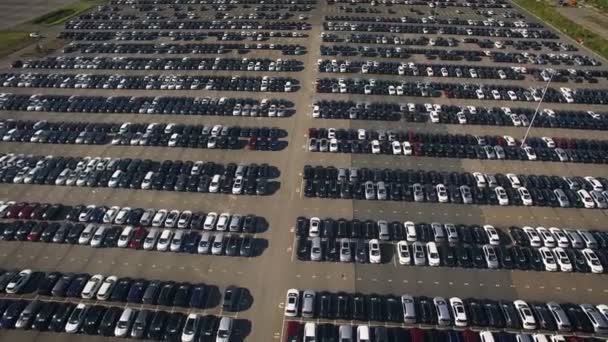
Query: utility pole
{"points": [[523, 141]]}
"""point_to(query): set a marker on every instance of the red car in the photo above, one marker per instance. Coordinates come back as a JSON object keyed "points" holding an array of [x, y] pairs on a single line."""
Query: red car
{"points": [[36, 232], [293, 331], [26, 211], [137, 240], [15, 209]]}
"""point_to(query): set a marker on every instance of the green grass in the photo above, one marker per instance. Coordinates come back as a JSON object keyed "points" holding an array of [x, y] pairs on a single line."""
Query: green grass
{"points": [[11, 41], [600, 4], [62, 14], [548, 13]]}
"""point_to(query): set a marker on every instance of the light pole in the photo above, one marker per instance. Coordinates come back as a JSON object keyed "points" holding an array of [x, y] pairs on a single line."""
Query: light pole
{"points": [[523, 141]]}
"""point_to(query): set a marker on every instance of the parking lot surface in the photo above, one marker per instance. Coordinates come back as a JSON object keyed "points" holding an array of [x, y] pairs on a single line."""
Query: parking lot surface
{"points": [[277, 268]]}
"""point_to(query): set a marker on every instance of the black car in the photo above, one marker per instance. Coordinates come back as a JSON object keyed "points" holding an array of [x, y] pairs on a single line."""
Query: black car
{"points": [[136, 291], [109, 320], [121, 289], [182, 295], [231, 299], [198, 296], [174, 326], [63, 283], [167, 293], [157, 325], [77, 285], [43, 318], [60, 316], [208, 327], [92, 319], [10, 316], [46, 285]]}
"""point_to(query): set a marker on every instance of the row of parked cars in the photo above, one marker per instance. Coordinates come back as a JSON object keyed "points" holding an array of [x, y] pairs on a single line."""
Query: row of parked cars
{"points": [[569, 59], [434, 29], [186, 63], [189, 48], [138, 174], [454, 234], [150, 35], [109, 288], [505, 148], [148, 217], [192, 137], [460, 91], [451, 21], [418, 69], [458, 188], [147, 105], [435, 254], [296, 331], [438, 311], [456, 139], [135, 24], [149, 82], [113, 321], [150, 239]]}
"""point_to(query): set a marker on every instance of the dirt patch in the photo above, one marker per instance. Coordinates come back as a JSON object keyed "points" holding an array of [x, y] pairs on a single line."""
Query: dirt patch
{"points": [[588, 18]]}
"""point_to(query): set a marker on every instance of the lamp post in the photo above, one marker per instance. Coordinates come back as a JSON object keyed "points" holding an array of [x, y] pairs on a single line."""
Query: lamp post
{"points": [[523, 141]]}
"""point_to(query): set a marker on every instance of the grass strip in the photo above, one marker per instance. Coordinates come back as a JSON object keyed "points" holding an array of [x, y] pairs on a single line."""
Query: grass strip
{"points": [[11, 41], [60, 15], [549, 14]]}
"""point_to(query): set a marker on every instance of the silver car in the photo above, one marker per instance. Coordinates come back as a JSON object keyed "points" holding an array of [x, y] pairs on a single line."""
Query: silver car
{"points": [[418, 253], [217, 248], [370, 192], [345, 250], [315, 249]]}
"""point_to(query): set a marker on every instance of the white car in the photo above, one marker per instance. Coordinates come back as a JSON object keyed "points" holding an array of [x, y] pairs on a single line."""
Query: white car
{"points": [[530, 153], [593, 261], [292, 302], [99, 235], [533, 237], [525, 314], [222, 222], [515, 182], [549, 142], [565, 265], [547, 237], [396, 148], [410, 231], [210, 221], [125, 237], [151, 238], [492, 234], [560, 237], [501, 194], [458, 312], [491, 258], [176, 241], [432, 254], [18, 281], [403, 253], [407, 148], [90, 289], [548, 259], [375, 145], [442, 193], [586, 198], [105, 290], [526, 198], [110, 214], [191, 327], [164, 240], [122, 215], [595, 184], [375, 255], [76, 318]]}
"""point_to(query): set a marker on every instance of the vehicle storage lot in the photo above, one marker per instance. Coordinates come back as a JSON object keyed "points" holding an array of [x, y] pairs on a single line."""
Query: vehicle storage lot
{"points": [[277, 268]]}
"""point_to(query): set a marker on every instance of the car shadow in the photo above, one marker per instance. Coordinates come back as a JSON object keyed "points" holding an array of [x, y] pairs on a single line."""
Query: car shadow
{"points": [[261, 225], [246, 300], [260, 245], [273, 187], [214, 297], [242, 329]]}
